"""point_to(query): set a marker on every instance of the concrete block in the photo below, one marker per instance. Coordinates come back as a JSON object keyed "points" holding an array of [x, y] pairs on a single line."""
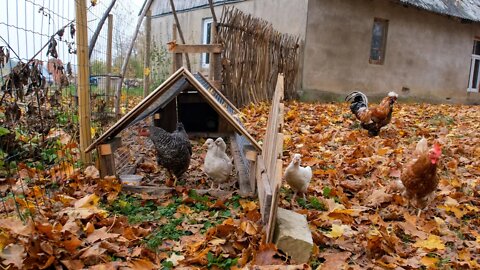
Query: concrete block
{"points": [[293, 236]]}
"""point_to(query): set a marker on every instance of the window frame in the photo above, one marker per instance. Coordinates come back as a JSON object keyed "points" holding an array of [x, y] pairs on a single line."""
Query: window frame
{"points": [[474, 68], [383, 46], [205, 35]]}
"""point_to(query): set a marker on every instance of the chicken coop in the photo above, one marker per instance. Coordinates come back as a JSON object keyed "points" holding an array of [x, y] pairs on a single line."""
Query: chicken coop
{"points": [[204, 111]]}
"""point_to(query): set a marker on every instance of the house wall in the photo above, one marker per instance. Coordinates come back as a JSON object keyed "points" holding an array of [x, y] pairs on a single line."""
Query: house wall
{"points": [[427, 53], [191, 22]]}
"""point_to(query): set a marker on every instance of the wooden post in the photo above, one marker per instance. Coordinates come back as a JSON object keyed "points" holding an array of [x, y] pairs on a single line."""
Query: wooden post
{"points": [[174, 38], [146, 65], [106, 160], [109, 58], [83, 80], [180, 33]]}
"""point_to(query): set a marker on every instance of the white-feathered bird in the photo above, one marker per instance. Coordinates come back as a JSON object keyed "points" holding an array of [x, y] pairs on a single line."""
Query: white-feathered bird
{"points": [[217, 164], [298, 177]]}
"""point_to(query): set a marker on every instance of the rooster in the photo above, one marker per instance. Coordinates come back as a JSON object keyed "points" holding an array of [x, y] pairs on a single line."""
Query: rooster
{"points": [[298, 177], [174, 150], [419, 176], [372, 119], [217, 164]]}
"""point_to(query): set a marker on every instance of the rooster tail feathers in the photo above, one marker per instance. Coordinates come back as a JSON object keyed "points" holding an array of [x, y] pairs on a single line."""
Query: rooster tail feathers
{"points": [[359, 100]]}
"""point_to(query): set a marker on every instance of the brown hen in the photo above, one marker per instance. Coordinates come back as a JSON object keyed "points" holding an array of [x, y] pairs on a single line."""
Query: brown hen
{"points": [[419, 176]]}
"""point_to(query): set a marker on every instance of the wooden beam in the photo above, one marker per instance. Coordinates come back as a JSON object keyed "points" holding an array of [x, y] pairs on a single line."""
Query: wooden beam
{"points": [[243, 177], [83, 83], [197, 48], [153, 190], [180, 32]]}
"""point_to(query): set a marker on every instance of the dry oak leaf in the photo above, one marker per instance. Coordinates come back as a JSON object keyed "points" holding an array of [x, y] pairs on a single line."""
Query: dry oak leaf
{"points": [[378, 197], [100, 234], [89, 201], [335, 260], [13, 254], [72, 264], [71, 243], [433, 242], [16, 226], [267, 255]]}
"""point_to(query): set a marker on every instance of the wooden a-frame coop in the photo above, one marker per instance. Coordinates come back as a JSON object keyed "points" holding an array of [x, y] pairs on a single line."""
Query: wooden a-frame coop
{"points": [[185, 95], [204, 111]]}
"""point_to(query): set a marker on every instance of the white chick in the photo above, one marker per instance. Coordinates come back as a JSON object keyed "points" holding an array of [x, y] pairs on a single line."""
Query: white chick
{"points": [[298, 177], [217, 164]]}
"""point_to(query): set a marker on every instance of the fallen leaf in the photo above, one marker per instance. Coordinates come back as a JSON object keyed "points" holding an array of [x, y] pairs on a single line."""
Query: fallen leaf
{"points": [[100, 234], [432, 243], [13, 254]]}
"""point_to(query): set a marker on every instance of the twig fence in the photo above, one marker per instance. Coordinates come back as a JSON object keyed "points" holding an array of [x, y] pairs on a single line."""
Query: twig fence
{"points": [[254, 54]]}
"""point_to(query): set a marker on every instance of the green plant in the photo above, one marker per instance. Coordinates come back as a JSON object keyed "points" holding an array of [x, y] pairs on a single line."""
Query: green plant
{"points": [[167, 231], [220, 261], [312, 203]]}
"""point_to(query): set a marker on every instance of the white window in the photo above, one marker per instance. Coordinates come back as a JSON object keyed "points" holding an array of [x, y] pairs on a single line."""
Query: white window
{"points": [[206, 39], [474, 78]]}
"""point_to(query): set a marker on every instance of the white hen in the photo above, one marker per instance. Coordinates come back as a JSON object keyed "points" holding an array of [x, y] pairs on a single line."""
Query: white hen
{"points": [[298, 177], [217, 164]]}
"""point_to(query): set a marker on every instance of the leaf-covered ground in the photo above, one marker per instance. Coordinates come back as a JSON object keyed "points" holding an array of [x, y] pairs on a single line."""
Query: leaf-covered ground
{"points": [[357, 222]]}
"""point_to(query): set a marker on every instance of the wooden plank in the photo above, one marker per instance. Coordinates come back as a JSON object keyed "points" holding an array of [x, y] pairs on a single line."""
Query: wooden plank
{"points": [[178, 60], [146, 60], [243, 177], [277, 180], [197, 48], [106, 160]]}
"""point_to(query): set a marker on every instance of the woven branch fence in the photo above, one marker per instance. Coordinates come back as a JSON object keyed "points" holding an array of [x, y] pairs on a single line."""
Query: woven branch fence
{"points": [[254, 55]]}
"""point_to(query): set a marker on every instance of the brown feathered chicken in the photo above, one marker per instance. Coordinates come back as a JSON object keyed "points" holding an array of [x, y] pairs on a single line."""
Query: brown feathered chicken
{"points": [[372, 119], [298, 177], [419, 176]]}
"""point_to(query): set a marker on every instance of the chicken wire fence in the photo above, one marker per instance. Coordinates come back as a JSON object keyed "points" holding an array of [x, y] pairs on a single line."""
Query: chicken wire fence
{"points": [[38, 96]]}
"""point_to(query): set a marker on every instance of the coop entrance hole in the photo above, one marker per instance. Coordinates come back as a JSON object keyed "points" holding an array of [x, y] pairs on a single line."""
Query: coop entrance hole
{"points": [[196, 114]]}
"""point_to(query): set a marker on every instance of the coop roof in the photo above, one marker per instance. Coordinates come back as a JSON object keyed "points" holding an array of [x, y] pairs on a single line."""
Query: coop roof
{"points": [[464, 9], [165, 93]]}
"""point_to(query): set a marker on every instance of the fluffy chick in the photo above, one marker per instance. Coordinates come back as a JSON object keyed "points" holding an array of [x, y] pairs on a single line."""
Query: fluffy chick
{"points": [[217, 164], [298, 177]]}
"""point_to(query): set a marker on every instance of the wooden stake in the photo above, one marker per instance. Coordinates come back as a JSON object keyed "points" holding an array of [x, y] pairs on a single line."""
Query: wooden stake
{"points": [[109, 58], [146, 65], [177, 22], [83, 80]]}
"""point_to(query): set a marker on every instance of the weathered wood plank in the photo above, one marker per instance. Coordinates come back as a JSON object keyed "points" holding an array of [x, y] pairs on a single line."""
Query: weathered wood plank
{"points": [[197, 48], [243, 177]]}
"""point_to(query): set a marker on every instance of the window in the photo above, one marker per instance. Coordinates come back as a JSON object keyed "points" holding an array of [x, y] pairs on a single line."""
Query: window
{"points": [[473, 81], [379, 41], [206, 39]]}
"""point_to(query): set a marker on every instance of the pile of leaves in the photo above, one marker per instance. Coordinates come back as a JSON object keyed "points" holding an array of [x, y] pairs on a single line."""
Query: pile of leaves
{"points": [[357, 221]]}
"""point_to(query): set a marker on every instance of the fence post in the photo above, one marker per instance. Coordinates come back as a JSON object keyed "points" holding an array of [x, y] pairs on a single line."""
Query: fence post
{"points": [[83, 80], [109, 58], [146, 66]]}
